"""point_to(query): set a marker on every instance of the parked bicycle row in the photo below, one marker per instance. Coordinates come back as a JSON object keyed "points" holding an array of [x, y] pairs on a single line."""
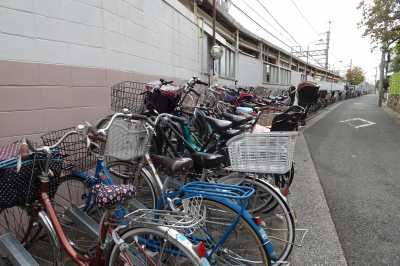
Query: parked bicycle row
{"points": [[192, 175]]}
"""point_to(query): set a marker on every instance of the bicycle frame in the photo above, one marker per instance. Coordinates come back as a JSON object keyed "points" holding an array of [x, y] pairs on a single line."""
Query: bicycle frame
{"points": [[62, 238], [239, 207], [91, 181]]}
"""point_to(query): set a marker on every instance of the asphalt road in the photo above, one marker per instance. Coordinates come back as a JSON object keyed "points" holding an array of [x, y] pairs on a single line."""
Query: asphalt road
{"points": [[358, 164]]}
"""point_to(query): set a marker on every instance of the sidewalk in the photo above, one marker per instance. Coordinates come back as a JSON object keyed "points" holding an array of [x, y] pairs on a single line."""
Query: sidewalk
{"points": [[321, 245]]}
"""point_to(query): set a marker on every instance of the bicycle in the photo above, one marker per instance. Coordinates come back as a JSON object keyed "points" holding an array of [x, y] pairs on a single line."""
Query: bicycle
{"points": [[114, 231], [268, 202], [226, 200]]}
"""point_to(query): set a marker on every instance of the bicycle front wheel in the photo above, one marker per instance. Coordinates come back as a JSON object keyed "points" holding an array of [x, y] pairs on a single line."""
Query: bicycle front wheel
{"points": [[242, 246], [124, 172], [153, 246], [279, 221]]}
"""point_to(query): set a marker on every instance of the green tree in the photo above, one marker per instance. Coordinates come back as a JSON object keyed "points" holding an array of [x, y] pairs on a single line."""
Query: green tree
{"points": [[395, 62], [381, 20], [355, 75]]}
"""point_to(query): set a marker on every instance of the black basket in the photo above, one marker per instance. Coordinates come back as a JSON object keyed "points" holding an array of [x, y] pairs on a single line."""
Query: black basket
{"points": [[73, 149], [130, 95], [19, 188]]}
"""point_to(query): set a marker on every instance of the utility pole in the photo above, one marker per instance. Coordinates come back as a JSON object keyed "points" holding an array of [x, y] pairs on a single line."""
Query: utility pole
{"points": [[381, 74], [214, 41], [328, 38], [376, 75], [308, 52]]}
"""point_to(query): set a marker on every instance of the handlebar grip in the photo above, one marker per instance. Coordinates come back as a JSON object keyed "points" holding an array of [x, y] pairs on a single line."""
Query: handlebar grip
{"points": [[164, 82], [30, 145], [202, 82]]}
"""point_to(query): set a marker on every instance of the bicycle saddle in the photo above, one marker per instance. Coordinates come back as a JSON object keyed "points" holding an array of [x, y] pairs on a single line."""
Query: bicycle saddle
{"points": [[230, 133], [108, 196], [237, 120], [173, 165], [207, 160], [218, 125]]}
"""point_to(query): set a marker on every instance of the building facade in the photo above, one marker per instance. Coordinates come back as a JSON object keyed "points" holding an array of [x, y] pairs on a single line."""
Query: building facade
{"points": [[59, 58]]}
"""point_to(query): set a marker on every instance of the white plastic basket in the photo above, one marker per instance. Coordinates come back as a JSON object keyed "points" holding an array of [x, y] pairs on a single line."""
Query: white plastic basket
{"points": [[270, 152], [127, 140]]}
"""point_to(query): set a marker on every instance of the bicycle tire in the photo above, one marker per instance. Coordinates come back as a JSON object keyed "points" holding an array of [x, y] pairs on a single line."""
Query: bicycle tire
{"points": [[282, 247], [72, 191], [240, 247], [18, 221], [170, 237], [27, 229], [124, 172]]}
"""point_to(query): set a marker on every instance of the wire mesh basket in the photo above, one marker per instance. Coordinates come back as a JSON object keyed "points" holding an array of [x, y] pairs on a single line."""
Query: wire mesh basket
{"points": [[191, 215], [210, 97], [270, 152], [20, 185], [127, 139], [128, 94], [73, 149]]}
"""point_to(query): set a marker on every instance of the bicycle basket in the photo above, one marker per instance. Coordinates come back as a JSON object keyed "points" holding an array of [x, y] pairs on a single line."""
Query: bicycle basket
{"points": [[268, 114], [127, 140], [18, 188], [128, 94], [270, 152], [209, 98], [73, 149]]}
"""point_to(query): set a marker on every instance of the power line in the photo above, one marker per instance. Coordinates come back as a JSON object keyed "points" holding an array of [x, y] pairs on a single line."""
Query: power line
{"points": [[262, 17], [277, 22], [258, 24], [310, 56], [250, 18], [304, 17]]}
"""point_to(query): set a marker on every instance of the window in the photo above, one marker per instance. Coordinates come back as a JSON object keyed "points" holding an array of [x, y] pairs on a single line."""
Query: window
{"points": [[276, 75], [285, 76], [271, 74], [225, 66], [267, 73], [205, 59]]}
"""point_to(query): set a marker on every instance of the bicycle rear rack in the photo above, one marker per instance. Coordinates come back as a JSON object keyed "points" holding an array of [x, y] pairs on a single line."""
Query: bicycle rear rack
{"points": [[218, 190], [15, 252]]}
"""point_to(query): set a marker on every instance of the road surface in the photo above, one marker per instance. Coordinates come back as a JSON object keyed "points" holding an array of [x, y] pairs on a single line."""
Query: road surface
{"points": [[356, 152]]}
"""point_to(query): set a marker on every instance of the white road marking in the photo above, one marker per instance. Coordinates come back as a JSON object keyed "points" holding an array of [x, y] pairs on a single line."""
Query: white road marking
{"points": [[365, 123]]}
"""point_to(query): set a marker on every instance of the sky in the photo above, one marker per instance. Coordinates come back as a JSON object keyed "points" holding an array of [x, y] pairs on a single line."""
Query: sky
{"points": [[346, 42]]}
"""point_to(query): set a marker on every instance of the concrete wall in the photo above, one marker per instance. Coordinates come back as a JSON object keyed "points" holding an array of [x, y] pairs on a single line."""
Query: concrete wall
{"points": [[250, 70], [59, 57]]}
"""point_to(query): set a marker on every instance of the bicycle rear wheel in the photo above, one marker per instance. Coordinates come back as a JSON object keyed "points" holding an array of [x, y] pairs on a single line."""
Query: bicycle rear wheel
{"points": [[153, 246], [243, 246]]}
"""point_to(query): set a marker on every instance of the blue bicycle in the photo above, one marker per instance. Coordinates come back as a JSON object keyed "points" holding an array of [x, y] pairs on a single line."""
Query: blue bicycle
{"points": [[229, 235]]}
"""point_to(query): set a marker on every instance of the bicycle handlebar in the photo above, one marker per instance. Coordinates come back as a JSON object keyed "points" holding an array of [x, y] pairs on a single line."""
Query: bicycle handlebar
{"points": [[165, 82], [202, 82]]}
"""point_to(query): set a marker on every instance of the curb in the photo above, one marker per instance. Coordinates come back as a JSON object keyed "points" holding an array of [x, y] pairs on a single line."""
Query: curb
{"points": [[321, 244]]}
